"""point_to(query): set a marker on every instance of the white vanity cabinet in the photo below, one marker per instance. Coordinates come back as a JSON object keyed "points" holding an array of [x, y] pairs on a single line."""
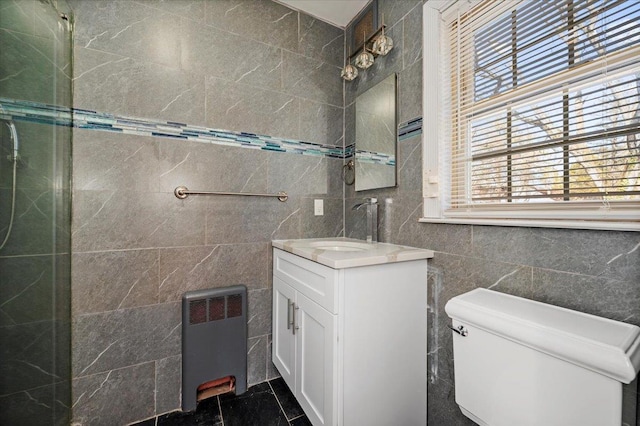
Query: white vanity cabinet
{"points": [[351, 343]]}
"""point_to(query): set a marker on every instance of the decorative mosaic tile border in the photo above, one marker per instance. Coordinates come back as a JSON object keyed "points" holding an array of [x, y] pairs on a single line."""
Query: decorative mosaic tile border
{"points": [[86, 119], [375, 157], [35, 112], [350, 150], [410, 129]]}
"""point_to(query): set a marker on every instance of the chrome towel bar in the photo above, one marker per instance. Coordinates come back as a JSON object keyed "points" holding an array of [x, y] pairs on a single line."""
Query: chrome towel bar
{"points": [[183, 192]]}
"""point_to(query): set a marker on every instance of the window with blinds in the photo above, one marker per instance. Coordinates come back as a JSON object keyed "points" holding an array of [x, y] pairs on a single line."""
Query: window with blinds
{"points": [[544, 101]]}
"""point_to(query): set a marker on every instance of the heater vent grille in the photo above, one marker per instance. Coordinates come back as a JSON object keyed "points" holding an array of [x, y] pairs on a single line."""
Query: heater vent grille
{"points": [[215, 309], [214, 339]]}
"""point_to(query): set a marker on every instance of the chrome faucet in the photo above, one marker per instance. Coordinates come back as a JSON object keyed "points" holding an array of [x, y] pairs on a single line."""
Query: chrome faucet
{"points": [[372, 218]]}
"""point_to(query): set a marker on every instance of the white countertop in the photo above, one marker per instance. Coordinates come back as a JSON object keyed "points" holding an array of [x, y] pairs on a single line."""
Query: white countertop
{"points": [[374, 254]]}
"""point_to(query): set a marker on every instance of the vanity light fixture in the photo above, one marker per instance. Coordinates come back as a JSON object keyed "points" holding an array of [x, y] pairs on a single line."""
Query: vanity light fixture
{"points": [[349, 72], [383, 43], [377, 44], [364, 59]]}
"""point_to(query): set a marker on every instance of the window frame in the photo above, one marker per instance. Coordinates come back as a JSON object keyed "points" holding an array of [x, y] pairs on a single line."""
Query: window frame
{"points": [[436, 170]]}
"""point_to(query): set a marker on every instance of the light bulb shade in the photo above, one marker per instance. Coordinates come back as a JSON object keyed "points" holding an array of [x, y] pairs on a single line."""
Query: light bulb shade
{"points": [[364, 60], [349, 72], [382, 45]]}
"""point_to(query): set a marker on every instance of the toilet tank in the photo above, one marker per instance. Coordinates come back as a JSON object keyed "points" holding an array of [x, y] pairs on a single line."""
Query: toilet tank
{"points": [[521, 362]]}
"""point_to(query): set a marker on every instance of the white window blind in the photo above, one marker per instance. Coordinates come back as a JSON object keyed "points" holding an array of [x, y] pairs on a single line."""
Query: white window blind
{"points": [[544, 110]]}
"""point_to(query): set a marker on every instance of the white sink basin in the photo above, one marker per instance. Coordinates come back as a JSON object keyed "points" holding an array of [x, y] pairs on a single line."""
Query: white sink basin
{"points": [[338, 245]]}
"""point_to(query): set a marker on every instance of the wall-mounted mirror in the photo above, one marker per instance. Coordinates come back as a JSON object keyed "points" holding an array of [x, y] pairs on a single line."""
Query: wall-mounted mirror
{"points": [[376, 135]]}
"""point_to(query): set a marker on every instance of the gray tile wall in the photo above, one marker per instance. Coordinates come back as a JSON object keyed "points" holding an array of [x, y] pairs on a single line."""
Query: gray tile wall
{"points": [[34, 263], [591, 271], [253, 66]]}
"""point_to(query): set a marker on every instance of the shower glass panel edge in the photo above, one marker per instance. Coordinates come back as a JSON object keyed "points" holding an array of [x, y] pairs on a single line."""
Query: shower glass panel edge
{"points": [[35, 261]]}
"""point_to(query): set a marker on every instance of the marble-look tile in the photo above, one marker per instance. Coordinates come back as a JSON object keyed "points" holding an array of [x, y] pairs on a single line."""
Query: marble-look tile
{"points": [[33, 407], [123, 85], [256, 356], [599, 253], [209, 167], [263, 21], [197, 268], [442, 408], [299, 174], [26, 64], [168, 384], [330, 224], [36, 150], [97, 289], [242, 108], [350, 124], [18, 15], [115, 397], [462, 274], [410, 93], [129, 29], [318, 39], [153, 220], [47, 22], [27, 354], [33, 222], [257, 406], [108, 160], [190, 9], [395, 10], [311, 78], [409, 164], [601, 296], [117, 339], [455, 239], [336, 183], [259, 312], [27, 289], [240, 220], [321, 123], [412, 37], [216, 53]]}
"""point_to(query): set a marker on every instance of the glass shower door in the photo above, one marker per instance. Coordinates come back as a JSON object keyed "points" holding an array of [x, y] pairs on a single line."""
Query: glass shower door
{"points": [[35, 160]]}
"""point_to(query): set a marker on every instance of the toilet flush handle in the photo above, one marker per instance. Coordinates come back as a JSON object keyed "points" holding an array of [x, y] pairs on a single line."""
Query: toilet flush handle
{"points": [[460, 330]]}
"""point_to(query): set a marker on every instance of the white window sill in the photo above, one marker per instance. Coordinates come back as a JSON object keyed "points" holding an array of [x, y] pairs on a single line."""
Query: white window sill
{"points": [[537, 223]]}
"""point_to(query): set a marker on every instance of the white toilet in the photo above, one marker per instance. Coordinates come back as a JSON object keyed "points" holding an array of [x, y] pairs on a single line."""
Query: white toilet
{"points": [[525, 363]]}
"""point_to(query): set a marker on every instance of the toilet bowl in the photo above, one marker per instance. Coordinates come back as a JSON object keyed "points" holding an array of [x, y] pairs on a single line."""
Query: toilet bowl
{"points": [[526, 363]]}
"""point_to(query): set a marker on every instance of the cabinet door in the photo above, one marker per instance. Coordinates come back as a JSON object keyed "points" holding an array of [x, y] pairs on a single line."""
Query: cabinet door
{"points": [[316, 356], [283, 346]]}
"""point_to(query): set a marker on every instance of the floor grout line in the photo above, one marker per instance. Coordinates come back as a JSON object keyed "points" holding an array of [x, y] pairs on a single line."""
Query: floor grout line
{"points": [[278, 401], [220, 409]]}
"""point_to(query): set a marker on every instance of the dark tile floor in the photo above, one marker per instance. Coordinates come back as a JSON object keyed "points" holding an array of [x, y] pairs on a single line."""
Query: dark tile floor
{"points": [[265, 404]]}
